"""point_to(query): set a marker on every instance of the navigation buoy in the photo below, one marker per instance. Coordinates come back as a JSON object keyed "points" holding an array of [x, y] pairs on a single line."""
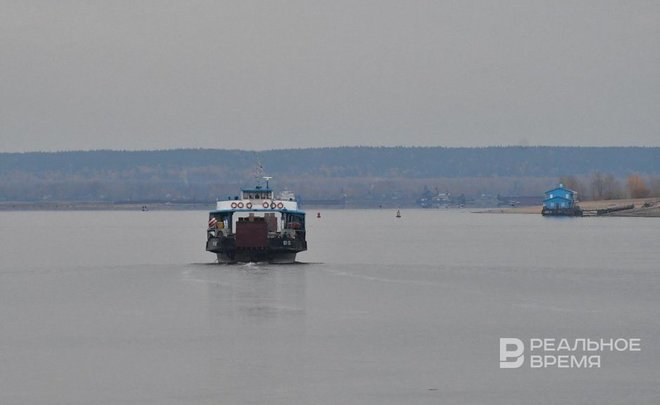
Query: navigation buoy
{"points": [[318, 215], [398, 214]]}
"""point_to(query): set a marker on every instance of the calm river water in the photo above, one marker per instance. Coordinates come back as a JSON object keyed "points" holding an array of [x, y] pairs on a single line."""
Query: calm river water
{"points": [[127, 308]]}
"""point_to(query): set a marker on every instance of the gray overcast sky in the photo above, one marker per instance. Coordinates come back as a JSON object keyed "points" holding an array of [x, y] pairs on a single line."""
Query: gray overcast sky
{"points": [[274, 74]]}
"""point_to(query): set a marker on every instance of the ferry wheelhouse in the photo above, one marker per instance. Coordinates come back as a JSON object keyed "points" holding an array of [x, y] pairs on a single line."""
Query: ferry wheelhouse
{"points": [[256, 227]]}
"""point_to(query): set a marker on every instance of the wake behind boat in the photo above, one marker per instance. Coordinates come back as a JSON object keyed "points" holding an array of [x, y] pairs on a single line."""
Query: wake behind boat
{"points": [[256, 227]]}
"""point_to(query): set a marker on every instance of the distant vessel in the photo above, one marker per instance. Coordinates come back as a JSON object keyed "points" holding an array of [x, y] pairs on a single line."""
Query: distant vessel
{"points": [[286, 195], [398, 214], [256, 227]]}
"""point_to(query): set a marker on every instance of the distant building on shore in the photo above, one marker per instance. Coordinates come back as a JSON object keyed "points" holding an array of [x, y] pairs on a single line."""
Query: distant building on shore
{"points": [[437, 199], [561, 201]]}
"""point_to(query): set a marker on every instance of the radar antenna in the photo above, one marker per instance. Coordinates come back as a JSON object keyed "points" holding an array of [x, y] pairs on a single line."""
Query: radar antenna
{"points": [[267, 178]]}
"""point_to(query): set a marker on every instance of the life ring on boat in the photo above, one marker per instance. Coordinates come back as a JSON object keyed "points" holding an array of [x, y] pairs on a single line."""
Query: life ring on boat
{"points": [[240, 205], [248, 205], [280, 205], [265, 204], [234, 205], [273, 205]]}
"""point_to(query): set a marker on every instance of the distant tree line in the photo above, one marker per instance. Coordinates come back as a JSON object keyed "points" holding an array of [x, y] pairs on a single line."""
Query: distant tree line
{"points": [[372, 174], [605, 186], [408, 162]]}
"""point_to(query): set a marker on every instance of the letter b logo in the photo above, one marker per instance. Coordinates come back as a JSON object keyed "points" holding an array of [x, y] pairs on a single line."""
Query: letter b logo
{"points": [[517, 353]]}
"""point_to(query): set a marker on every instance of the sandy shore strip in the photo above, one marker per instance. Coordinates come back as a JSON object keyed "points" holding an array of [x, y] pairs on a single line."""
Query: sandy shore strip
{"points": [[639, 211]]}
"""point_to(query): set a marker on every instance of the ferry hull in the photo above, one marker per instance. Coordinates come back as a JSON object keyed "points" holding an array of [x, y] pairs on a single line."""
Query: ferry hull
{"points": [[245, 257], [281, 251]]}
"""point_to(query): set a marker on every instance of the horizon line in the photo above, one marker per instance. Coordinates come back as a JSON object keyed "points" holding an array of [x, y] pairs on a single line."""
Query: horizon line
{"points": [[326, 147]]}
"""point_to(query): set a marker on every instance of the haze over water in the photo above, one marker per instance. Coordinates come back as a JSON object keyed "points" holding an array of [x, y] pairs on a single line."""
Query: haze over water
{"points": [[127, 307]]}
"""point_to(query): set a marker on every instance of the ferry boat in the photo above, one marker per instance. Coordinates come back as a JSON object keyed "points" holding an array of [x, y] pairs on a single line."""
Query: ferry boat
{"points": [[256, 227]]}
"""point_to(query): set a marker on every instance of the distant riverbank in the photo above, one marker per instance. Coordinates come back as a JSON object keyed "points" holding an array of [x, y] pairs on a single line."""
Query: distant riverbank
{"points": [[100, 206], [639, 211], [651, 210]]}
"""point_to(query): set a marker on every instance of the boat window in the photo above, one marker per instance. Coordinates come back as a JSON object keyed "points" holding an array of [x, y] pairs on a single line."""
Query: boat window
{"points": [[295, 221], [223, 219]]}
